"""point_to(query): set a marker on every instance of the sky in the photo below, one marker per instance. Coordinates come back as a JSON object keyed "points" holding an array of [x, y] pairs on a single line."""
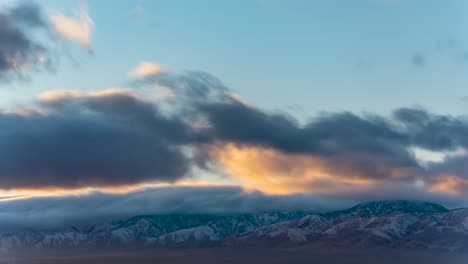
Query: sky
{"points": [[269, 104]]}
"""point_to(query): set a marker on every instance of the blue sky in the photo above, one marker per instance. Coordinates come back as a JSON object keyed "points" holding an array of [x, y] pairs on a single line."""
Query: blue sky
{"points": [[297, 56]]}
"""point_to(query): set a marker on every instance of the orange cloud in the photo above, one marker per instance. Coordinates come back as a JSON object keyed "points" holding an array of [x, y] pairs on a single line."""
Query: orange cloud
{"points": [[274, 172], [58, 96], [450, 184], [146, 69], [278, 173], [78, 28], [18, 193]]}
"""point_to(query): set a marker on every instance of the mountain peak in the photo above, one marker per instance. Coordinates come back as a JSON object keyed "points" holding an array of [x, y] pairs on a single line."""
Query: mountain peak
{"points": [[398, 223], [389, 206]]}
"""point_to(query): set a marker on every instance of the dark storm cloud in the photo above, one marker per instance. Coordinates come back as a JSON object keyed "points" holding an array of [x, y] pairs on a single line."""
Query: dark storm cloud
{"points": [[97, 141], [18, 48]]}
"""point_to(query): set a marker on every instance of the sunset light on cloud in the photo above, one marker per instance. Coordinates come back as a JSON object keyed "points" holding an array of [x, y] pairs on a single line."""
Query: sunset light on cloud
{"points": [[173, 111], [145, 69], [78, 28], [274, 172]]}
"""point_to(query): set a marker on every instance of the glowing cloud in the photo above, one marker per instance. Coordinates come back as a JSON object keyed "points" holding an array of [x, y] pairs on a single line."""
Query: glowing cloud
{"points": [[78, 29], [58, 96], [451, 185], [274, 172], [146, 69]]}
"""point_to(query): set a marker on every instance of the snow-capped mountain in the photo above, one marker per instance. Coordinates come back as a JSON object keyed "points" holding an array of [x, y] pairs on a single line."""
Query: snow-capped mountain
{"points": [[388, 223], [401, 224], [157, 230]]}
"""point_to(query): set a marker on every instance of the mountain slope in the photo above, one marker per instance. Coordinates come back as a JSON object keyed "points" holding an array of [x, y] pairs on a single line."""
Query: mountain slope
{"points": [[389, 223], [398, 224]]}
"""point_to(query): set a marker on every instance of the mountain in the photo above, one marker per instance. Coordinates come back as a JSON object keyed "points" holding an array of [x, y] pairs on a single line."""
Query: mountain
{"points": [[399, 224], [158, 230], [396, 224]]}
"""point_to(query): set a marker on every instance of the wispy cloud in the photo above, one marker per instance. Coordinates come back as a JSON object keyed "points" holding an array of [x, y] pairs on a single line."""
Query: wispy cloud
{"points": [[20, 51], [78, 28], [146, 69]]}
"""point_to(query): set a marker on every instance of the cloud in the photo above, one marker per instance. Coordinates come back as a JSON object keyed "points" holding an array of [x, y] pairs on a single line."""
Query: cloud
{"points": [[330, 153], [236, 97], [51, 212], [20, 52], [432, 131], [275, 172], [78, 28], [53, 97], [450, 175], [102, 139], [146, 69], [191, 86], [338, 152], [370, 146], [115, 137], [47, 212], [77, 145]]}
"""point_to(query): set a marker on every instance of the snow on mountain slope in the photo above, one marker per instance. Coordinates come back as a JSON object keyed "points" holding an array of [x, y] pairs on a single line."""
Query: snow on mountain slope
{"points": [[375, 224], [131, 231], [225, 227], [388, 223]]}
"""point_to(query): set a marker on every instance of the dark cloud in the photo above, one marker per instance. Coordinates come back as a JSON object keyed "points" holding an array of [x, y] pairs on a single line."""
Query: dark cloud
{"points": [[96, 207], [51, 212], [20, 52], [106, 140], [119, 107], [432, 131], [236, 122], [194, 85], [27, 13], [115, 138], [373, 146], [369, 146], [452, 165]]}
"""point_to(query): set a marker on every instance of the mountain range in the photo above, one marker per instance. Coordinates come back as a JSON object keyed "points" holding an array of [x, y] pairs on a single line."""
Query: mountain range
{"points": [[394, 224]]}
